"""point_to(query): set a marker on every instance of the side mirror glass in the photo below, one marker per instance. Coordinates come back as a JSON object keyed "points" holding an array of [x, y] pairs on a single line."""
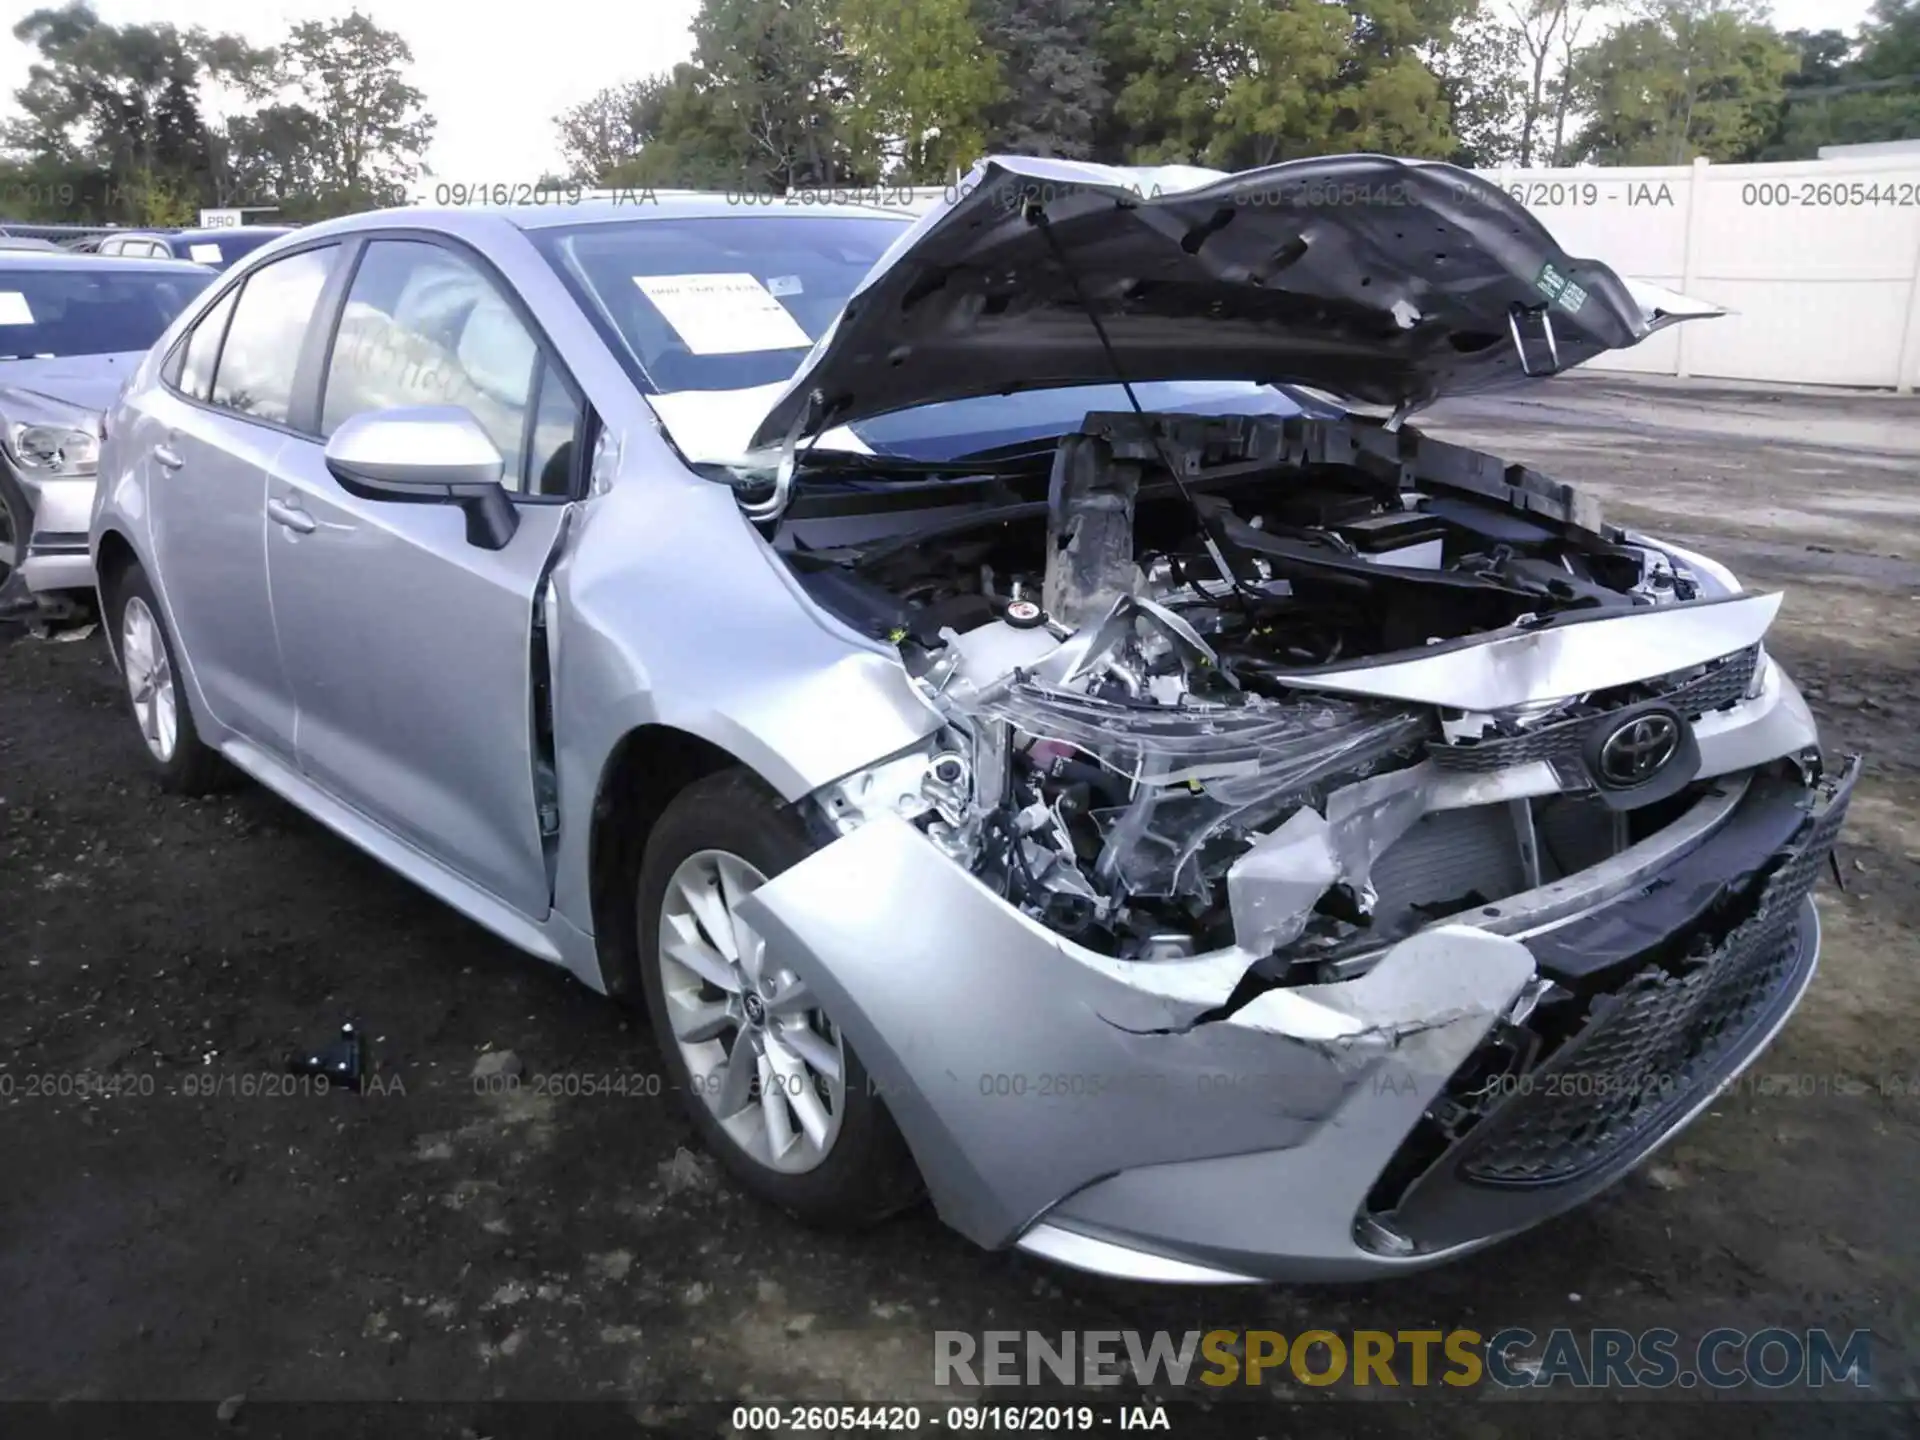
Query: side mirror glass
{"points": [[426, 455]]}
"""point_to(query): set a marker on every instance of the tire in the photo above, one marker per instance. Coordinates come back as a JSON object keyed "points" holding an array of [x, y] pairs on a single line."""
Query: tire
{"points": [[184, 765], [864, 1172], [16, 528]]}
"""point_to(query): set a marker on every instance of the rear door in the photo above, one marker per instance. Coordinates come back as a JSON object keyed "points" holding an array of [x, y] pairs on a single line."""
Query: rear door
{"points": [[410, 651], [220, 418]]}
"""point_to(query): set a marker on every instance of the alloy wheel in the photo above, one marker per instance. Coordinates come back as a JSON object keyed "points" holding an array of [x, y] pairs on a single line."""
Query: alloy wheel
{"points": [[768, 1064], [143, 656]]}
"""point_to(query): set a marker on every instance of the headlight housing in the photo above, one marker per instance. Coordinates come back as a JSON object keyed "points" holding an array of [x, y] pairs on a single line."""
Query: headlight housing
{"points": [[54, 450]]}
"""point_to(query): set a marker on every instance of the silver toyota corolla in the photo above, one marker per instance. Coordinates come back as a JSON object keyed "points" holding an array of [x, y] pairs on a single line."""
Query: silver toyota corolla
{"points": [[1024, 740]]}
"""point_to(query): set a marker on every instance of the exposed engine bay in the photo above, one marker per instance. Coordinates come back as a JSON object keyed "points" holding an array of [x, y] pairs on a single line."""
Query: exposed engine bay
{"points": [[1137, 640]]}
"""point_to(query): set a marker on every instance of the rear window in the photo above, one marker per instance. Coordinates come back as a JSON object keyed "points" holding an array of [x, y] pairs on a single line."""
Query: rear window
{"points": [[48, 314]]}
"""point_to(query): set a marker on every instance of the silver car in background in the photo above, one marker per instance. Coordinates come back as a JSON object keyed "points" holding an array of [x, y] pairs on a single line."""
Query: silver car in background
{"points": [[1018, 746], [72, 330]]}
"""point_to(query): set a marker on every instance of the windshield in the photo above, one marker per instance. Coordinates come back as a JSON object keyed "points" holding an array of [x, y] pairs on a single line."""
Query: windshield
{"points": [[103, 309], [698, 308], [221, 248], [721, 303]]}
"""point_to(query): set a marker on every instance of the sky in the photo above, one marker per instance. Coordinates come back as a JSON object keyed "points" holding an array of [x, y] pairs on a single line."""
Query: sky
{"points": [[496, 76]]}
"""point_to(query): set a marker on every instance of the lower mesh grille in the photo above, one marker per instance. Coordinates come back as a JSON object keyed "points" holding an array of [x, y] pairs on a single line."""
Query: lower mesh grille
{"points": [[1648, 1046]]}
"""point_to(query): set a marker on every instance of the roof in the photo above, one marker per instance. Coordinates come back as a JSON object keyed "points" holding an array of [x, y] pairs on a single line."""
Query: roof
{"points": [[635, 204], [216, 232], [640, 204], [16, 260]]}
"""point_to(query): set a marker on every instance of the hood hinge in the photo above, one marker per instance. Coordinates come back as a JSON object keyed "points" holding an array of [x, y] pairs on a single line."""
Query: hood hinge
{"points": [[1402, 413], [775, 504]]}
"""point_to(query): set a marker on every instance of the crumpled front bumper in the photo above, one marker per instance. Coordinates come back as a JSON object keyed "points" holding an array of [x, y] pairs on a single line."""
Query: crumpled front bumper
{"points": [[1134, 1118], [53, 563], [56, 557]]}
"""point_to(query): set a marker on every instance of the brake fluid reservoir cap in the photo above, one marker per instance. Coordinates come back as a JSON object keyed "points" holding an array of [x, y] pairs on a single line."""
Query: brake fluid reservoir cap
{"points": [[1025, 615]]}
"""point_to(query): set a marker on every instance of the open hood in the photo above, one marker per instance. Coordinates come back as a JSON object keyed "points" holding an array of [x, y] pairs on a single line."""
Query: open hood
{"points": [[1382, 281]]}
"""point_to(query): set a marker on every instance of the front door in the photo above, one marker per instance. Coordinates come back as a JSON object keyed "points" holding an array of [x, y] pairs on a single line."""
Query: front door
{"points": [[410, 652]]}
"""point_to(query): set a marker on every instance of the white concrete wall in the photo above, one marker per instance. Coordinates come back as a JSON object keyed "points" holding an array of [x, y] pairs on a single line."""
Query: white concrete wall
{"points": [[1818, 260]]}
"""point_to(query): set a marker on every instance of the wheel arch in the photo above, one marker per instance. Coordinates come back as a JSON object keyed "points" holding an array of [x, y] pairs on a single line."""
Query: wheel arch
{"points": [[113, 557], [644, 770]]}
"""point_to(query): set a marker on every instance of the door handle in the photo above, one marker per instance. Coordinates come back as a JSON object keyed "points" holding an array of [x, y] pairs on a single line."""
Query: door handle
{"points": [[289, 514], [167, 456]]}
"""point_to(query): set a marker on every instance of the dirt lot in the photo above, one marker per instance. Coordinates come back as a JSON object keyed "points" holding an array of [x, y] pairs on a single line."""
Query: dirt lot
{"points": [[431, 1242]]}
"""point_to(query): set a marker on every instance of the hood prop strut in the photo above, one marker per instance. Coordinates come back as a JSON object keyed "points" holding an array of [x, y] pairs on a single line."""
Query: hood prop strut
{"points": [[1545, 317], [1212, 529]]}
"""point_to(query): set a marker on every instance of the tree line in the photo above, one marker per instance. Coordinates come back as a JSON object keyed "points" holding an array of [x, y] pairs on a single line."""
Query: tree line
{"points": [[146, 124], [785, 93]]}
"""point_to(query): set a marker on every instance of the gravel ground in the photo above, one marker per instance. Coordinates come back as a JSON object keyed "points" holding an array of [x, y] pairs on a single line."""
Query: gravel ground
{"points": [[434, 1242]]}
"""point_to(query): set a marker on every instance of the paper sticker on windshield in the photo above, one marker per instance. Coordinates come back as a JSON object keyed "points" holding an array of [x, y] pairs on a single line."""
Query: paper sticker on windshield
{"points": [[205, 254], [784, 285], [726, 314], [13, 308]]}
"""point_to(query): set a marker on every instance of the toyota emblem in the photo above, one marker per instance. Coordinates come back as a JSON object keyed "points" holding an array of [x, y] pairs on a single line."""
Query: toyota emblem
{"points": [[1639, 749]]}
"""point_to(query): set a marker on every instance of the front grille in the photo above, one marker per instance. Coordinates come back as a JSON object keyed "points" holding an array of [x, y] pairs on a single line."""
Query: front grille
{"points": [[1724, 682], [1649, 1046]]}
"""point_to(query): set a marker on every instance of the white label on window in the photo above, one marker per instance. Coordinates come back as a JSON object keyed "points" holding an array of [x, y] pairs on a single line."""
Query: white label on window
{"points": [[784, 285], [205, 254], [728, 314], [13, 308]]}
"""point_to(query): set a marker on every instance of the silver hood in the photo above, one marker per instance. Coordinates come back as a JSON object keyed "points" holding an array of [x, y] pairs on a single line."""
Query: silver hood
{"points": [[52, 391], [1381, 281]]}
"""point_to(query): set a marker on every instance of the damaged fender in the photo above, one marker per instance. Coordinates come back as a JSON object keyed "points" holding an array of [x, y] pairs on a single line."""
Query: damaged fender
{"points": [[1021, 1067]]}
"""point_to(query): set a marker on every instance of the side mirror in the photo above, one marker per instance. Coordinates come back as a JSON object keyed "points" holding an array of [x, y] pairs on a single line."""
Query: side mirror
{"points": [[427, 455]]}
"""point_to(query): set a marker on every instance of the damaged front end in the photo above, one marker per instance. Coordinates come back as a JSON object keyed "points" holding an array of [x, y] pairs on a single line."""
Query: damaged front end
{"points": [[1223, 680], [1307, 794], [1307, 790]]}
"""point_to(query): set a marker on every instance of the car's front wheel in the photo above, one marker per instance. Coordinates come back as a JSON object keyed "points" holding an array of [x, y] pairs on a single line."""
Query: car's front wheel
{"points": [[771, 1083], [177, 757]]}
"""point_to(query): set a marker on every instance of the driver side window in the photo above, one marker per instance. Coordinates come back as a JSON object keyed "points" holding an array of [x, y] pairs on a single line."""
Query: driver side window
{"points": [[423, 326]]}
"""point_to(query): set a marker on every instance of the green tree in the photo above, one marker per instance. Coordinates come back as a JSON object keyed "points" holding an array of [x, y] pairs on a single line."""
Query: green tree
{"points": [[1055, 98], [366, 124], [1853, 94], [686, 136], [119, 112], [777, 92], [607, 127], [1890, 41], [275, 156], [1248, 82], [764, 104], [1549, 32], [1480, 75], [1688, 78], [923, 83]]}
